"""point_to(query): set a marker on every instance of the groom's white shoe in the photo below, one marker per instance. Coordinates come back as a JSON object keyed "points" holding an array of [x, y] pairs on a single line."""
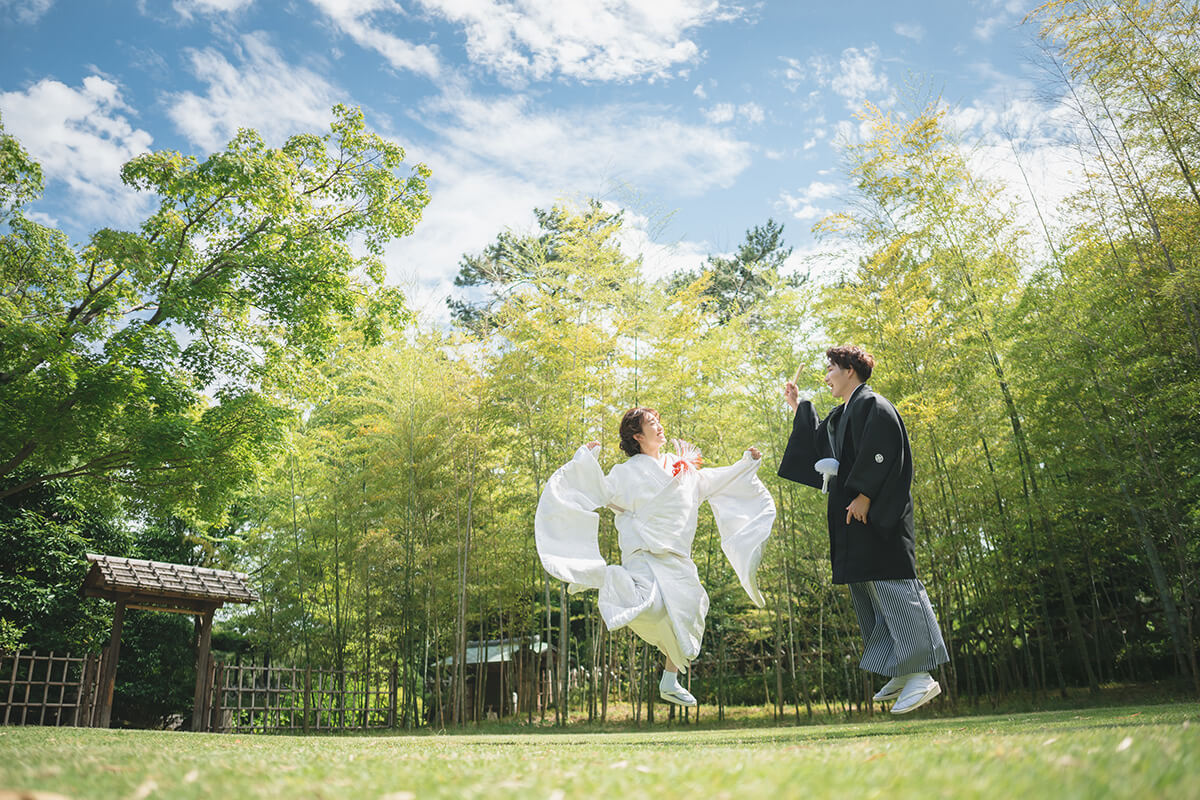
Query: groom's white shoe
{"points": [[676, 694], [891, 690], [919, 690]]}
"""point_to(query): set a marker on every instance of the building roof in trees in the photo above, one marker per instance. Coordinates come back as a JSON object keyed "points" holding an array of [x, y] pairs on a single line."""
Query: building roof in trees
{"points": [[495, 651], [162, 586]]}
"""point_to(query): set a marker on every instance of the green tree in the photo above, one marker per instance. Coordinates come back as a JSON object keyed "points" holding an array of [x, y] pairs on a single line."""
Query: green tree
{"points": [[106, 349], [733, 285], [44, 536]]}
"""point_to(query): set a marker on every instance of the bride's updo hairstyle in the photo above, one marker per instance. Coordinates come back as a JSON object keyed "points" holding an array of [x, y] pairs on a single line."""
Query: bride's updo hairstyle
{"points": [[631, 424]]}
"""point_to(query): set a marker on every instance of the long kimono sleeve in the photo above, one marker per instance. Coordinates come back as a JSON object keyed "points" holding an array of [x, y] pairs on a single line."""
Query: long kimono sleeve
{"points": [[807, 443], [566, 526], [745, 513]]}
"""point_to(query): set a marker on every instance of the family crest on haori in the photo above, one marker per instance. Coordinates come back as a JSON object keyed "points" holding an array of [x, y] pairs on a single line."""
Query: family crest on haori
{"points": [[656, 497]]}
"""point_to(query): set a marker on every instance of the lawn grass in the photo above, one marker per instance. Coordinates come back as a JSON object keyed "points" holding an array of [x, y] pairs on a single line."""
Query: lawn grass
{"points": [[1142, 751]]}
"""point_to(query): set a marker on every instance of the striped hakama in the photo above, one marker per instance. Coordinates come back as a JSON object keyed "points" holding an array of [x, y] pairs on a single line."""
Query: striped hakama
{"points": [[899, 628]]}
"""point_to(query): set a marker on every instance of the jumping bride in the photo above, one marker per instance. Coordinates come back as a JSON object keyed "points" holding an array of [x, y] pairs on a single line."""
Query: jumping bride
{"points": [[656, 497]]}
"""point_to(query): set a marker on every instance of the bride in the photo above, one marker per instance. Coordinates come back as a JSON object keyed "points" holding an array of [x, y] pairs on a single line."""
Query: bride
{"points": [[655, 496]]}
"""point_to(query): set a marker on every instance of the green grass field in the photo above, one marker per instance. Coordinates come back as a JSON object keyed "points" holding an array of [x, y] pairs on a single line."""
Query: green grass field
{"points": [[1142, 751]]}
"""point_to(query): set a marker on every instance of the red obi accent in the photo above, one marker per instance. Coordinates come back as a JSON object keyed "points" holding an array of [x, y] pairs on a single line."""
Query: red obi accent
{"points": [[689, 457], [683, 465]]}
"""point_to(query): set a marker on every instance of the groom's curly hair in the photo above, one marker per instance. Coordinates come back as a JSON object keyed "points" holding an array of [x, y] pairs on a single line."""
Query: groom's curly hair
{"points": [[852, 357], [631, 424]]}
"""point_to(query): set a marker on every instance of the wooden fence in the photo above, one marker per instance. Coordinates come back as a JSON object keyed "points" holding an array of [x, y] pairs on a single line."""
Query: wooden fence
{"points": [[269, 699], [48, 689], [54, 689]]}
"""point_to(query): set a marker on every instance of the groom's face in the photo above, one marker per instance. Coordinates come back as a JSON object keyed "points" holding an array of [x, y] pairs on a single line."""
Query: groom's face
{"points": [[839, 380]]}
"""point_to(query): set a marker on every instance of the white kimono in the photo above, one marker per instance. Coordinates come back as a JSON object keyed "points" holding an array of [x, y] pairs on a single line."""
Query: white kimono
{"points": [[656, 589]]}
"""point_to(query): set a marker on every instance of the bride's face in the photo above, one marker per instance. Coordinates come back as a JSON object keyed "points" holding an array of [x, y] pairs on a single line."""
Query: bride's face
{"points": [[652, 433]]}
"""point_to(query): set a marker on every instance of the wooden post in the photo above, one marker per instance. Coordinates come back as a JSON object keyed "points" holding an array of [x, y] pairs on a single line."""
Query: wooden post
{"points": [[218, 688], [392, 696], [45, 687], [341, 684], [307, 694], [62, 690], [87, 692], [200, 704], [12, 685], [109, 669]]}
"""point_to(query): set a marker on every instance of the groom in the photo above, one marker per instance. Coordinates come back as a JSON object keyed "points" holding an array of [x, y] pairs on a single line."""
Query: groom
{"points": [[870, 517]]}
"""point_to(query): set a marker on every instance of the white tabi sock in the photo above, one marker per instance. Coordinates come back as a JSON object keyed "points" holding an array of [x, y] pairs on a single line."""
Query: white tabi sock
{"points": [[669, 680]]}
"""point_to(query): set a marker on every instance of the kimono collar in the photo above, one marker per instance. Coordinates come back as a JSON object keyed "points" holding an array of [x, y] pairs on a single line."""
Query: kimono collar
{"points": [[841, 421], [662, 461], [854, 394], [654, 472]]}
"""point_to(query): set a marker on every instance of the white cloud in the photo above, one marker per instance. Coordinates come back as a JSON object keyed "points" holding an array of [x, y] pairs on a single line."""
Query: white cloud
{"points": [[587, 40], [699, 91], [720, 113], [751, 112], [858, 76], [793, 73], [1026, 147], [27, 11], [261, 91], [910, 30], [819, 190], [189, 8], [987, 27], [498, 158], [819, 68], [805, 204], [590, 148], [82, 137], [1000, 14], [659, 259], [42, 218], [470, 205], [800, 210], [845, 131], [365, 22]]}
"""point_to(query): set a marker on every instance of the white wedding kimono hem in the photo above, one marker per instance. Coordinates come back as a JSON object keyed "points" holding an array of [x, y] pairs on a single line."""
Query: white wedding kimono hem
{"points": [[655, 590]]}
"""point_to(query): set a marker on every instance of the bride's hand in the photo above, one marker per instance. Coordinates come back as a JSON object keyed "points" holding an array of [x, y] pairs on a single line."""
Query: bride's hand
{"points": [[593, 445], [754, 453]]}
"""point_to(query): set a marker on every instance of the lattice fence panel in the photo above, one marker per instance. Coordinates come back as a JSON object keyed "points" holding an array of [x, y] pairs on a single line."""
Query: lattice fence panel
{"points": [[48, 689], [270, 699]]}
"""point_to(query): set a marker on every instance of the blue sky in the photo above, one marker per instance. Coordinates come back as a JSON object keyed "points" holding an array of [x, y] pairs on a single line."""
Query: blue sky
{"points": [[700, 118]]}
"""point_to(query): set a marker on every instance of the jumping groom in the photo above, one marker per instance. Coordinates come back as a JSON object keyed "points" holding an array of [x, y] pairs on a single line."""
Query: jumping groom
{"points": [[860, 454]]}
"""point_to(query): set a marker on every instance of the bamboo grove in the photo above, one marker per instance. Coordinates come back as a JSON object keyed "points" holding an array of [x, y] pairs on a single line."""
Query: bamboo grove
{"points": [[1046, 362]]}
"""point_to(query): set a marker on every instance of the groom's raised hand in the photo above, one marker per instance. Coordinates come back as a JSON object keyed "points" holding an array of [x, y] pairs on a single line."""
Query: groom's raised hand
{"points": [[791, 393]]}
